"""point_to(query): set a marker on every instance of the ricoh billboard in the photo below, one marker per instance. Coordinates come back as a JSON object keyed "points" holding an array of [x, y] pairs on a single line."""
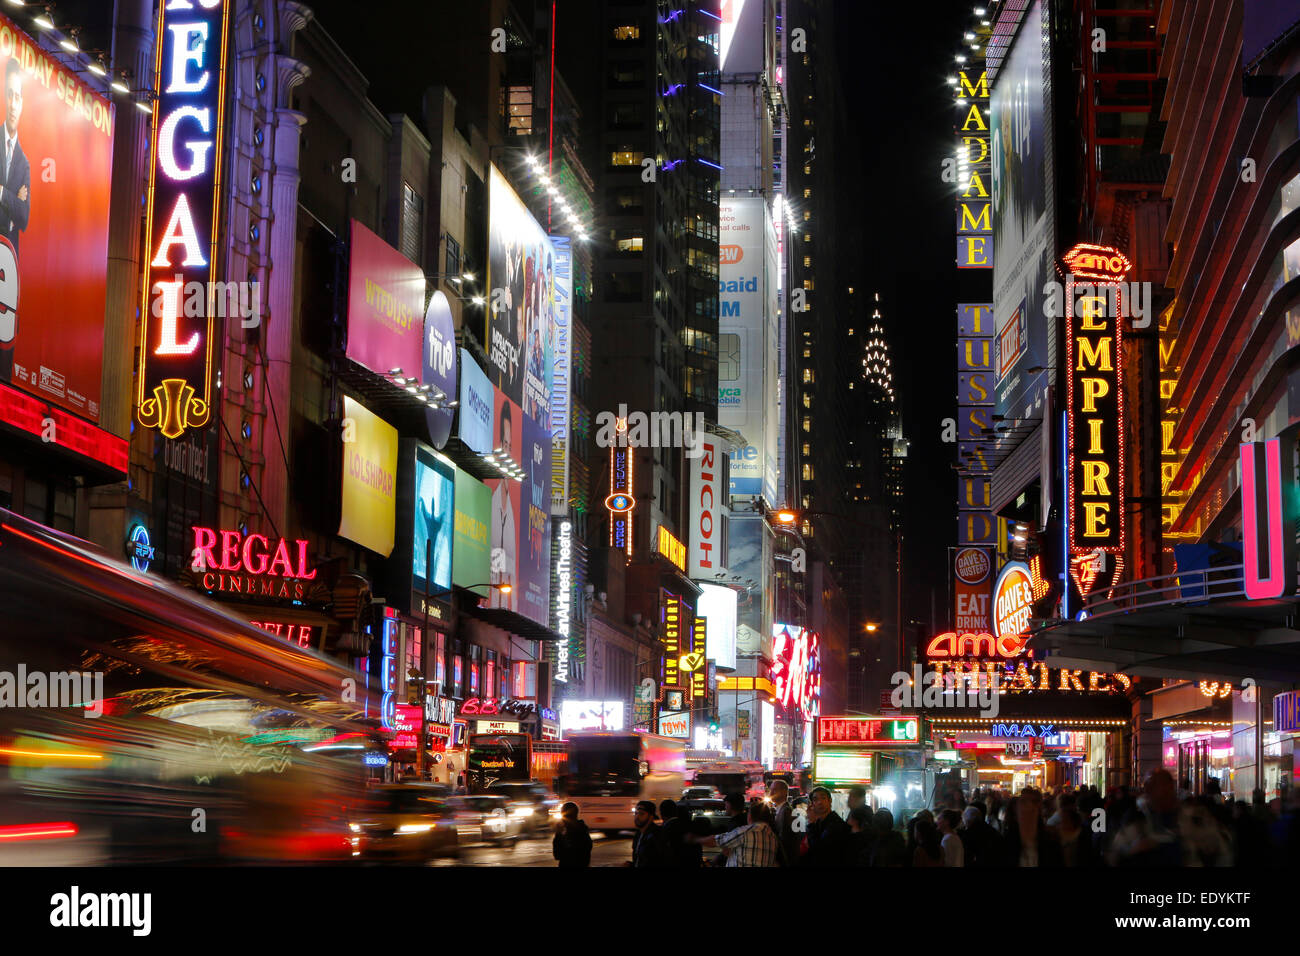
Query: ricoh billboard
{"points": [[707, 552], [748, 314]]}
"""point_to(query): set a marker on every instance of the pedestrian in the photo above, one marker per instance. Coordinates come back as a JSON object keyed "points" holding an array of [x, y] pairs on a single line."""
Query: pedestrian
{"points": [[862, 837], [735, 806], [1148, 835], [1076, 842], [980, 842], [648, 841], [927, 851], [825, 842], [889, 849], [572, 844], [857, 798], [754, 844], [783, 821], [1026, 840], [674, 833], [690, 856], [954, 854]]}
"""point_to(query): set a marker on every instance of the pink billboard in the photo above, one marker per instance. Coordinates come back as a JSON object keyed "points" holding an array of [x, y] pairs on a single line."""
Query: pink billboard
{"points": [[385, 306]]}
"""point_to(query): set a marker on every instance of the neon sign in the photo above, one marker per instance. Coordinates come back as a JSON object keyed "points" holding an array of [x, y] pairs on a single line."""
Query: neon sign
{"points": [[699, 644], [983, 644], [796, 669], [1023, 730], [868, 730], [139, 549], [300, 635], [174, 376], [620, 502], [248, 564], [1267, 522], [1094, 356], [563, 587], [671, 548], [388, 675], [1026, 676], [672, 638], [1013, 600]]}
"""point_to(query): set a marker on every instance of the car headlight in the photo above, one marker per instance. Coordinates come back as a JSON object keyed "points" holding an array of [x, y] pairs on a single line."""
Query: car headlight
{"points": [[416, 827], [354, 827], [527, 812]]}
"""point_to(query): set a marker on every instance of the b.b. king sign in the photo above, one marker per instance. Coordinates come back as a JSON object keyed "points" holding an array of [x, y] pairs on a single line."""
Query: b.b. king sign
{"points": [[183, 205]]}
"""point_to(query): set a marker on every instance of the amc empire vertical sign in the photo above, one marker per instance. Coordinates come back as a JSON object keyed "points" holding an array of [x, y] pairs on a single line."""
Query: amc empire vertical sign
{"points": [[174, 377], [1094, 320]]}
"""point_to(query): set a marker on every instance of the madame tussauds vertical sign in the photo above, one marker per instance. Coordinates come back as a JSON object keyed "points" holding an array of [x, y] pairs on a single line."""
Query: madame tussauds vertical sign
{"points": [[183, 204]]}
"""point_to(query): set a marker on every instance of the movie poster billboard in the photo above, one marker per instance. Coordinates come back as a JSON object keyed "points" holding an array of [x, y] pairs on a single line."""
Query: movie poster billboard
{"points": [[1023, 226], [54, 191], [521, 301], [748, 310], [561, 375], [534, 563], [503, 534]]}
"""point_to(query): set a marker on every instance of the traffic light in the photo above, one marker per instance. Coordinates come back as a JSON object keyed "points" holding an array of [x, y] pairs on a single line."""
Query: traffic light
{"points": [[713, 726]]}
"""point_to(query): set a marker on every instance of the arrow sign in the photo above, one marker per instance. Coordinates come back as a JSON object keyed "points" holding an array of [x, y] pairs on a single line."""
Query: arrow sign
{"points": [[690, 662]]}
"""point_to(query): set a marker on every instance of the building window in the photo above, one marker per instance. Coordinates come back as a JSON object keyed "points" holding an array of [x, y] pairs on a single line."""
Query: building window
{"points": [[453, 257], [807, 400], [440, 661], [807, 423], [807, 262], [627, 32], [808, 284], [807, 192], [630, 244], [626, 157], [808, 376], [412, 237], [807, 449], [626, 73], [519, 110], [807, 473], [807, 353]]}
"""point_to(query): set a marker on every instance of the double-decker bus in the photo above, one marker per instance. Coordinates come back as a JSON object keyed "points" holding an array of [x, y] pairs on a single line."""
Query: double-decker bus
{"points": [[609, 771], [498, 758], [154, 702]]}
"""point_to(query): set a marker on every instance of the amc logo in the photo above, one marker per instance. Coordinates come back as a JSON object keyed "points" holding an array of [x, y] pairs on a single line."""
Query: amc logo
{"points": [[982, 644], [730, 255]]}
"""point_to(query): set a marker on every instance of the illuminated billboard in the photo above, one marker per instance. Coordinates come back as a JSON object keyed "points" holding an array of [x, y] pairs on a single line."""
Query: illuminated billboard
{"points": [[434, 522], [748, 316], [1023, 217], [796, 670], [474, 418], [591, 715], [504, 534], [438, 367], [385, 303], [521, 301], [707, 557], [869, 731], [471, 551], [718, 606], [561, 373], [534, 561], [369, 479], [182, 216]]}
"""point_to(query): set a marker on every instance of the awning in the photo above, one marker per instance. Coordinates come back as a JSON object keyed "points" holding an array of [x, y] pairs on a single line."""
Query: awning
{"points": [[514, 622]]}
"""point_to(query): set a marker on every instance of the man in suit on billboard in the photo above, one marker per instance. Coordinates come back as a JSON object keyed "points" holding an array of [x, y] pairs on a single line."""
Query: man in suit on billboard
{"points": [[15, 185]]}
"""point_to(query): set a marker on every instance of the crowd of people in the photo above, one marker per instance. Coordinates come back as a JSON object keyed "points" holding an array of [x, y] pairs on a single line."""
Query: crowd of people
{"points": [[1163, 824]]}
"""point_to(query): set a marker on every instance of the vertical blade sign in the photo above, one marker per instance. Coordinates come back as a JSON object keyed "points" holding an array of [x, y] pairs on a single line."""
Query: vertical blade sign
{"points": [[183, 204]]}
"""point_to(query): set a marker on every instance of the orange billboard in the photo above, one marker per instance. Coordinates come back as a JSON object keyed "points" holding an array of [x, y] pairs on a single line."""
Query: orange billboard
{"points": [[56, 154]]}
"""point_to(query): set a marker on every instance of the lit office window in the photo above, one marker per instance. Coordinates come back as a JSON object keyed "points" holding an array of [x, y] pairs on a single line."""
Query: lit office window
{"points": [[627, 32], [626, 157]]}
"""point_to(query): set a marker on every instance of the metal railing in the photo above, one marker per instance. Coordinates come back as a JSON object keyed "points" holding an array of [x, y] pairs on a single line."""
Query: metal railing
{"points": [[1187, 588]]}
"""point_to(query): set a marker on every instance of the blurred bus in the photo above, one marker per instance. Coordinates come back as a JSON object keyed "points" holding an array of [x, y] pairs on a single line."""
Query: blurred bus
{"points": [[178, 733], [498, 758], [609, 771]]}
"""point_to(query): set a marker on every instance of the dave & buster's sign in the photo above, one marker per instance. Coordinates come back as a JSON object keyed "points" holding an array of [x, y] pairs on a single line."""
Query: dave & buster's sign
{"points": [[877, 731], [1095, 472], [174, 377]]}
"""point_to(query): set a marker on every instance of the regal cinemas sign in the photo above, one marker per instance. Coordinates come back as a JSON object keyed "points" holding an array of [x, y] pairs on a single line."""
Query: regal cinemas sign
{"points": [[228, 562]]}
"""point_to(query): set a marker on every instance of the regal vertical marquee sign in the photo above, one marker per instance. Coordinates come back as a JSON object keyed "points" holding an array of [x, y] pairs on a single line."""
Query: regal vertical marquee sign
{"points": [[183, 204], [1095, 471]]}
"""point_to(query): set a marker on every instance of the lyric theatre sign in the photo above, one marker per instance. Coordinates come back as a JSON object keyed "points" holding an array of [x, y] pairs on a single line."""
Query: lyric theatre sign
{"points": [[1095, 471], [182, 209]]}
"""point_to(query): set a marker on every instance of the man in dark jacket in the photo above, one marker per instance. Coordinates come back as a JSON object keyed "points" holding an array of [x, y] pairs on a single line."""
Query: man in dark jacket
{"points": [[736, 809], [648, 842], [979, 840], [572, 844], [889, 849], [826, 842], [783, 822]]}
